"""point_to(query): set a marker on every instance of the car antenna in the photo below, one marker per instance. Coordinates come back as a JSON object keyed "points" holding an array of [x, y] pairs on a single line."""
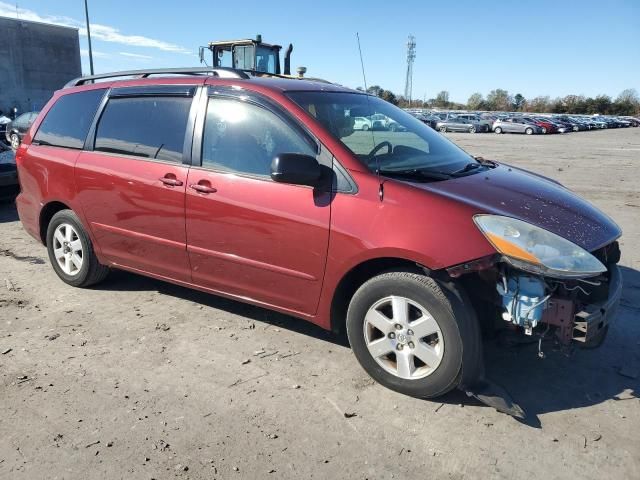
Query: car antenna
{"points": [[373, 139]]}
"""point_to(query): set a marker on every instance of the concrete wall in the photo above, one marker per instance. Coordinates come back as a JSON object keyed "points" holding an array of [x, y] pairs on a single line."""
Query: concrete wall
{"points": [[35, 60]]}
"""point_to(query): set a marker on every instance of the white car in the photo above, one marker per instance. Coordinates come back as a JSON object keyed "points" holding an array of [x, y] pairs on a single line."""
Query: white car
{"points": [[362, 123]]}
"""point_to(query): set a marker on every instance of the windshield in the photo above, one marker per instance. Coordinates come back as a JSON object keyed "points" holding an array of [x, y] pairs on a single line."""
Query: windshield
{"points": [[382, 136]]}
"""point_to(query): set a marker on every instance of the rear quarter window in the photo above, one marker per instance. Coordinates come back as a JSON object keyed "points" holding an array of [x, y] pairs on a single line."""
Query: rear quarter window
{"points": [[148, 127], [67, 122]]}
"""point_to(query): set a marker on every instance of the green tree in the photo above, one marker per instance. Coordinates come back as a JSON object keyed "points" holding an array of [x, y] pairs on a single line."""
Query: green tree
{"points": [[442, 99], [375, 90], [499, 99], [538, 105], [475, 102], [518, 101], [601, 104], [627, 103], [388, 96]]}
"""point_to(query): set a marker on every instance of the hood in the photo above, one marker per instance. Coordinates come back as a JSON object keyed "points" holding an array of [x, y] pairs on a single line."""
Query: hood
{"points": [[516, 193]]}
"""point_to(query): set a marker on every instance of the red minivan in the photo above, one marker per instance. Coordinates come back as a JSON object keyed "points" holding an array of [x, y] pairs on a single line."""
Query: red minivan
{"points": [[260, 189]]}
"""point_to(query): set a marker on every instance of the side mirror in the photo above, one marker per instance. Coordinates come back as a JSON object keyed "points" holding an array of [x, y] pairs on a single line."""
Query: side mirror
{"points": [[296, 168]]}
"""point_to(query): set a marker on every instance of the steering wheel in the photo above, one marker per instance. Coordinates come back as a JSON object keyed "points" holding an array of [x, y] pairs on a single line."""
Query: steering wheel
{"points": [[380, 146]]}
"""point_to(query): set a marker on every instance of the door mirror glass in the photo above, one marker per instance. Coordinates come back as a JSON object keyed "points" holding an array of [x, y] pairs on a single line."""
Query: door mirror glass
{"points": [[296, 168]]}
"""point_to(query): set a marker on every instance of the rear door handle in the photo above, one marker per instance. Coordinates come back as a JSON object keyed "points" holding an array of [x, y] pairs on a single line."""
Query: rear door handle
{"points": [[171, 181], [203, 187]]}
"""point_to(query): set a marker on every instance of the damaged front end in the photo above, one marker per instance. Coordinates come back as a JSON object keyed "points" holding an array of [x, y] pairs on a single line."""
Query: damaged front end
{"points": [[539, 286], [541, 282], [577, 310]]}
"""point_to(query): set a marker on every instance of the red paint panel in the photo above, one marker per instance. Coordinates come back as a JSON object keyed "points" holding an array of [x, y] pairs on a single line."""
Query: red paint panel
{"points": [[258, 239], [136, 219]]}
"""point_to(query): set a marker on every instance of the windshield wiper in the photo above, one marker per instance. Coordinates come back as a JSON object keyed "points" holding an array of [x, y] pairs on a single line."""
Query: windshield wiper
{"points": [[467, 168], [420, 174], [471, 166]]}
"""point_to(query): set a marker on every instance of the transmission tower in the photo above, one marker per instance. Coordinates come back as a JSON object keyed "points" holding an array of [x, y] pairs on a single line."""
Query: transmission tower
{"points": [[411, 56]]}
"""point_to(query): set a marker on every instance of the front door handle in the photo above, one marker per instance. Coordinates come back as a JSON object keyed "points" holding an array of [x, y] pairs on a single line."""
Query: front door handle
{"points": [[171, 180], [203, 186]]}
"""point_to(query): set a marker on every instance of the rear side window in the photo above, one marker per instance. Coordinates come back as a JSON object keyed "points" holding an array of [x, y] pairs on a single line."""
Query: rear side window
{"points": [[149, 127], [67, 122]]}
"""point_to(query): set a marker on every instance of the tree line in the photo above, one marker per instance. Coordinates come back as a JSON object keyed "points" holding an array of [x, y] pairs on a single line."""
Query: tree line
{"points": [[626, 103]]}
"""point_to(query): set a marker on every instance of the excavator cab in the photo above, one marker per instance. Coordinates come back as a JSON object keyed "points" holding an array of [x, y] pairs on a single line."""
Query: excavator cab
{"points": [[250, 54]]}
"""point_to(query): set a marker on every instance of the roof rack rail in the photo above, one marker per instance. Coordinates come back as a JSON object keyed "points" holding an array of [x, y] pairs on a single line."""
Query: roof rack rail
{"points": [[223, 72]]}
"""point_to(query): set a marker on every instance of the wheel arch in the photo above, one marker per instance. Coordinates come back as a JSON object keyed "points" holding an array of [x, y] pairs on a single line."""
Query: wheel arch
{"points": [[46, 214], [356, 276]]}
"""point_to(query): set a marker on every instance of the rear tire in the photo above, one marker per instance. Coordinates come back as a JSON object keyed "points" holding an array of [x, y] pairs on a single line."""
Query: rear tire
{"points": [[472, 129], [71, 251], [529, 131], [432, 337]]}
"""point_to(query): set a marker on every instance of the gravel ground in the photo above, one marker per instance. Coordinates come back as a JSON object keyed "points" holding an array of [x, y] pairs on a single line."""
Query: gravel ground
{"points": [[141, 379]]}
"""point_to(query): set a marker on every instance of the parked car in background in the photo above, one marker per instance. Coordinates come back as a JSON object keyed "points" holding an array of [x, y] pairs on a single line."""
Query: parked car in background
{"points": [[362, 123], [460, 124], [8, 180], [516, 125], [635, 122], [4, 121], [17, 129], [545, 125], [575, 124], [474, 117], [561, 127], [430, 120]]}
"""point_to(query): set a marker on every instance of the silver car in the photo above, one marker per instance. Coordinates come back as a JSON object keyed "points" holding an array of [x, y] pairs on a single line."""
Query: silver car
{"points": [[515, 125], [460, 124], [476, 118]]}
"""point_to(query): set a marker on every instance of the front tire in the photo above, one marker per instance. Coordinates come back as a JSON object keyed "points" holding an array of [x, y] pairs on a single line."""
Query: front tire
{"points": [[15, 141], [529, 131], [403, 331], [71, 251], [472, 129], [443, 129], [497, 130]]}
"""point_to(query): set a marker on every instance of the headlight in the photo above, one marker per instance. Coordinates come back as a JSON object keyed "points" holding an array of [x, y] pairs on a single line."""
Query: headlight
{"points": [[536, 250]]}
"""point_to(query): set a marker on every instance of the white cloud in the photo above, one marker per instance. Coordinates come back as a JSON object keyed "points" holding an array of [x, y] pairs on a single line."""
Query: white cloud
{"points": [[111, 34], [97, 54], [136, 55], [105, 33]]}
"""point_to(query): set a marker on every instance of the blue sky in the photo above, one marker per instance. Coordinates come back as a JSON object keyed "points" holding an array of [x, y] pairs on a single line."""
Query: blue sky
{"points": [[531, 47]]}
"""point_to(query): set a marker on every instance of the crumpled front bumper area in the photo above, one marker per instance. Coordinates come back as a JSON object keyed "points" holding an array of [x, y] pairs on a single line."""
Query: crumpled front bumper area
{"points": [[585, 323]]}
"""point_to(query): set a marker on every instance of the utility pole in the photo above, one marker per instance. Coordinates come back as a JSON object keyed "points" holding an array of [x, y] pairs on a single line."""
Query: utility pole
{"points": [[411, 56], [86, 14]]}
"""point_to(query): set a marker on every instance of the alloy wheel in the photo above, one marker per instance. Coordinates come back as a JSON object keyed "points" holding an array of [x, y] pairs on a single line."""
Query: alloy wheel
{"points": [[67, 249], [15, 141], [403, 338]]}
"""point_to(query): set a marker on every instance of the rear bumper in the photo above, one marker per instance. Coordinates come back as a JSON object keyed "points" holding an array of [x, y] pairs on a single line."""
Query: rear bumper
{"points": [[591, 322]]}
